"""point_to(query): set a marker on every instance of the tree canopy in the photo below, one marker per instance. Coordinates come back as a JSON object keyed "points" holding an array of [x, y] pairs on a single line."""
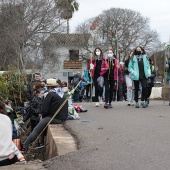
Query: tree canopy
{"points": [[121, 30]]}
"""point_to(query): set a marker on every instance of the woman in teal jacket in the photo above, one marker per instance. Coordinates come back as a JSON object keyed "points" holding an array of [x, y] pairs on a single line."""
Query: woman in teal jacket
{"points": [[88, 83], [139, 68]]}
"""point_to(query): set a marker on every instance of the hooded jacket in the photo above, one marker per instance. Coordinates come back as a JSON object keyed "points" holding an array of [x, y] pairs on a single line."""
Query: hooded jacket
{"points": [[133, 67]]}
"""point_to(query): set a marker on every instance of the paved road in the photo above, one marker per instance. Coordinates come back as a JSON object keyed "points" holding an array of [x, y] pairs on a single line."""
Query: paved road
{"points": [[122, 138]]}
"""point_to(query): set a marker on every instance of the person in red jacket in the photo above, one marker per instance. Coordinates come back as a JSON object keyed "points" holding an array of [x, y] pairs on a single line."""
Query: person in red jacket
{"points": [[109, 70], [95, 69]]}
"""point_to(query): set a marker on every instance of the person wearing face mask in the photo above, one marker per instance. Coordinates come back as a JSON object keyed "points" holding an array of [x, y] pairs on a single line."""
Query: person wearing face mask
{"points": [[139, 68], [129, 81], [95, 69], [109, 70]]}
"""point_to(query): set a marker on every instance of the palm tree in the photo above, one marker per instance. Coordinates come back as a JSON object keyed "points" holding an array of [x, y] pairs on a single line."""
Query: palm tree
{"points": [[66, 9]]}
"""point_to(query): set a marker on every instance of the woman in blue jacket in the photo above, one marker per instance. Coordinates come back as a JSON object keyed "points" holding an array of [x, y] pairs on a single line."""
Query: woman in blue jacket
{"points": [[88, 84], [139, 68]]}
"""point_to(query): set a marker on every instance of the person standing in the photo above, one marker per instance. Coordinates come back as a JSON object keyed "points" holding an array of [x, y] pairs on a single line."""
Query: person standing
{"points": [[129, 81], [88, 84], [150, 80], [95, 69], [109, 70], [75, 81], [121, 83], [167, 69], [139, 68]]}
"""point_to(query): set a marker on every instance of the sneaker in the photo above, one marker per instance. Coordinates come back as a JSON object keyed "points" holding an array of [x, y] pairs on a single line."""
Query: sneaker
{"points": [[97, 104], [100, 100], [129, 104], [137, 105], [110, 105], [106, 106], [143, 104], [146, 103]]}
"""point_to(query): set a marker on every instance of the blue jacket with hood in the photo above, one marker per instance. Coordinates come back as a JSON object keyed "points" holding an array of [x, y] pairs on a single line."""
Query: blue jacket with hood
{"points": [[134, 69]]}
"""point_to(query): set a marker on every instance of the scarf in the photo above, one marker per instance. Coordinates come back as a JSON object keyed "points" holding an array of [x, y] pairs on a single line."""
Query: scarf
{"points": [[58, 91], [139, 57], [110, 58]]}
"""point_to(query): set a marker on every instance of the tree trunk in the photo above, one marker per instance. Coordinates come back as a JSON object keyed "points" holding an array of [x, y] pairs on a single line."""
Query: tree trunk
{"points": [[21, 67]]}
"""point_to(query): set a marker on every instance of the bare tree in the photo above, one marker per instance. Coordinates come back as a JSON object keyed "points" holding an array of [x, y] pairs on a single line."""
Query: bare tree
{"points": [[25, 24], [121, 30]]}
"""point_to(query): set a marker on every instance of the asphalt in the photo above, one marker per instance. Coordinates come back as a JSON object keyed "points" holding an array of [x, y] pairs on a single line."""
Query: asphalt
{"points": [[121, 138]]}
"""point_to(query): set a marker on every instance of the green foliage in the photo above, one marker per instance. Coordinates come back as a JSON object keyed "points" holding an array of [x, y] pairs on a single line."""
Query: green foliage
{"points": [[12, 86], [4, 92]]}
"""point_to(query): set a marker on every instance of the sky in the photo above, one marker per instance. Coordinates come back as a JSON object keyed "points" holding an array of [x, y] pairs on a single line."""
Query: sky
{"points": [[158, 12]]}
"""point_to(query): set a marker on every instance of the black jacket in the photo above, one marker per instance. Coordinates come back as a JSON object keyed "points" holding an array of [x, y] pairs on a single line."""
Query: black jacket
{"points": [[51, 104], [125, 69], [30, 90]]}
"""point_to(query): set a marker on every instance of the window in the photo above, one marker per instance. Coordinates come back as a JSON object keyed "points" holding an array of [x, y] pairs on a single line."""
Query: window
{"points": [[65, 74], [70, 74], [74, 55]]}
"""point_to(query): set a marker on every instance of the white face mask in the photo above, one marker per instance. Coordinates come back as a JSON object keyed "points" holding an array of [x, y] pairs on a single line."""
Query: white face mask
{"points": [[110, 55], [98, 53]]}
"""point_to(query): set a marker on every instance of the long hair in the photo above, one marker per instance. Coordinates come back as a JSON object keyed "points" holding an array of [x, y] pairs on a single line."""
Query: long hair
{"points": [[2, 108], [114, 55], [129, 57], [94, 53], [36, 85], [143, 51]]}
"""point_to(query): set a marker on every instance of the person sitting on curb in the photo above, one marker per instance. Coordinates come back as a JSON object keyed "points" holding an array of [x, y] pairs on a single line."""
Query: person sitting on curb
{"points": [[51, 104], [9, 153]]}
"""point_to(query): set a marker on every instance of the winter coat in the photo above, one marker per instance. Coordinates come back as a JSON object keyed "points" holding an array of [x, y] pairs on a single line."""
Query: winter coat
{"points": [[134, 69], [153, 75], [105, 67], [87, 78], [35, 107], [52, 103], [168, 69], [94, 68], [30, 90]]}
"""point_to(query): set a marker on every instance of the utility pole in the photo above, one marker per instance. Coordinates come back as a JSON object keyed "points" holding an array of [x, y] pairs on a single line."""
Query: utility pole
{"points": [[117, 45]]}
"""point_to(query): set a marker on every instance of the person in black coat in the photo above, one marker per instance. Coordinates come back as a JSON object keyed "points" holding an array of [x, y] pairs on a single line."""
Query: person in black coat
{"points": [[30, 86], [51, 104], [150, 82]]}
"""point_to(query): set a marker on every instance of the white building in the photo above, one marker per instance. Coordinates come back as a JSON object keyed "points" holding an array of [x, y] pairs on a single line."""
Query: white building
{"points": [[73, 56]]}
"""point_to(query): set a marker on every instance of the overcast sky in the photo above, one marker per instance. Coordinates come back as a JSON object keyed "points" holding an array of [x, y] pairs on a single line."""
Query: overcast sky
{"points": [[158, 11]]}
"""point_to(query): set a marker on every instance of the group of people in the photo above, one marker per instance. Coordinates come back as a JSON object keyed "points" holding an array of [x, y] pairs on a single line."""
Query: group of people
{"points": [[45, 99], [105, 72]]}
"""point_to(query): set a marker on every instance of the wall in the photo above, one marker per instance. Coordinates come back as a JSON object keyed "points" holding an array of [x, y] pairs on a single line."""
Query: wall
{"points": [[58, 73]]}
